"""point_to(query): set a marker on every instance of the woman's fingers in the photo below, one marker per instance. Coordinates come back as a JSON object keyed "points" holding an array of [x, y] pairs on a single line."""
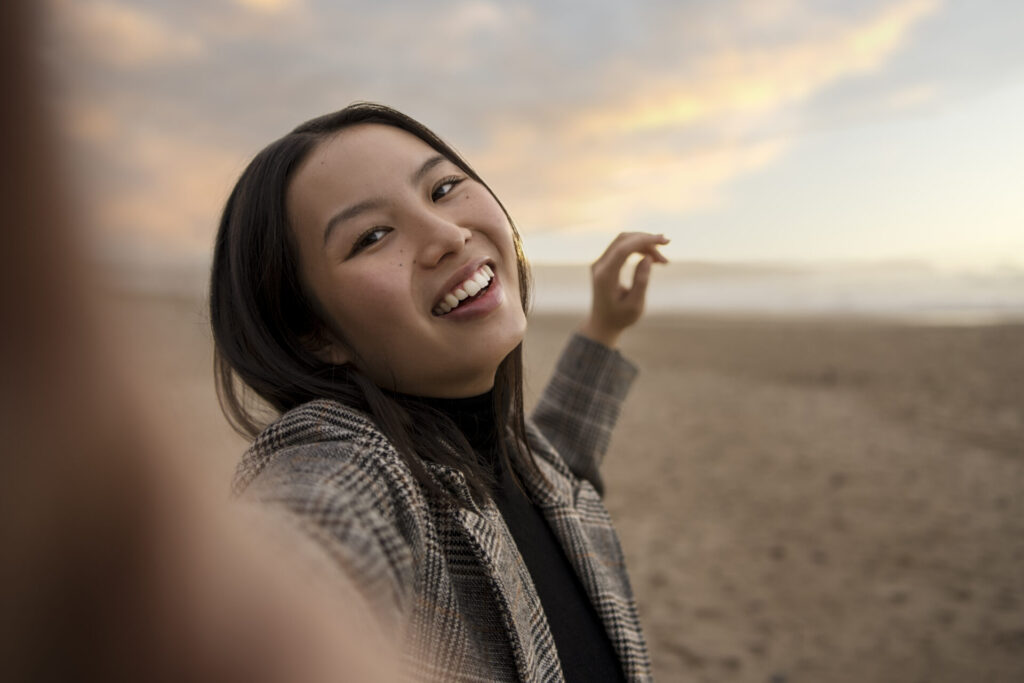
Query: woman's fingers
{"points": [[616, 307], [614, 257], [641, 276]]}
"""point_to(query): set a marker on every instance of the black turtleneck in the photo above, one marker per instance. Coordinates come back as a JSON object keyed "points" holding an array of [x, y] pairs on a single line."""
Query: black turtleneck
{"points": [[583, 645]]}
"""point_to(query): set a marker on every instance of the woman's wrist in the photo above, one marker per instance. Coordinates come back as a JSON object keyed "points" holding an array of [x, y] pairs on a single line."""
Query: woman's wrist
{"points": [[600, 334]]}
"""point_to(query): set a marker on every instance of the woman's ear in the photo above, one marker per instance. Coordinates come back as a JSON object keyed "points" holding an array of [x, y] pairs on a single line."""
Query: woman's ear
{"points": [[325, 346]]}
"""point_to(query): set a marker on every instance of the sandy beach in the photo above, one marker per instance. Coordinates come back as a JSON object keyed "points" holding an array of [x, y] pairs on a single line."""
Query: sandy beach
{"points": [[816, 499]]}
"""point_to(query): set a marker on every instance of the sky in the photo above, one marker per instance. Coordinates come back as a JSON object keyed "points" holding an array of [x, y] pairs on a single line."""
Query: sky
{"points": [[745, 130]]}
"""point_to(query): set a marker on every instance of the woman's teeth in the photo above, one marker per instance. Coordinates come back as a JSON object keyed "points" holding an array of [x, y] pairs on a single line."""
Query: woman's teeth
{"points": [[466, 290]]}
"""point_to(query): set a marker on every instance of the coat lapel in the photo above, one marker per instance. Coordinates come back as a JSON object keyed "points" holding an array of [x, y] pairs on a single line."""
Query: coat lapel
{"points": [[506, 579], [578, 518]]}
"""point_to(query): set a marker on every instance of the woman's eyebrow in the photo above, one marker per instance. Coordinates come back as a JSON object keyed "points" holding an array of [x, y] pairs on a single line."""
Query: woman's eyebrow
{"points": [[425, 168], [377, 202], [349, 213]]}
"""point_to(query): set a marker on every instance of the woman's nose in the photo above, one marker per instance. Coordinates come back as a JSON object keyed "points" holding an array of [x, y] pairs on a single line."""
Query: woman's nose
{"points": [[441, 238]]}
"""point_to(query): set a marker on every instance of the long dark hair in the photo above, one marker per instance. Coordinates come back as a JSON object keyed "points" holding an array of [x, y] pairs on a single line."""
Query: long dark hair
{"points": [[262, 317]]}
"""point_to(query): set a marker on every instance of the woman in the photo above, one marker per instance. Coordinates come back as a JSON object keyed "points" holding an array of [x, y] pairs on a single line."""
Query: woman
{"points": [[371, 288]]}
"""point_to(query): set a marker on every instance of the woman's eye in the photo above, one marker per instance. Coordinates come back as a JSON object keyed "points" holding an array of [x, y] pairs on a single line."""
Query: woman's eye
{"points": [[445, 186], [368, 239]]}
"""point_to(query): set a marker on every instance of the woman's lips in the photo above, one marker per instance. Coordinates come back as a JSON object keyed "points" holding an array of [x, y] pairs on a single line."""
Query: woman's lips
{"points": [[483, 303], [465, 291]]}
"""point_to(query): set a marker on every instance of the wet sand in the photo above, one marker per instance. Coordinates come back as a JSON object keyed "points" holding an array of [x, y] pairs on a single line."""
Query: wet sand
{"points": [[823, 500]]}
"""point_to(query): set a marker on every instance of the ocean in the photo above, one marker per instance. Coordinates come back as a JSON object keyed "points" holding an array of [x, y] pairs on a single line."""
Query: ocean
{"points": [[897, 290]]}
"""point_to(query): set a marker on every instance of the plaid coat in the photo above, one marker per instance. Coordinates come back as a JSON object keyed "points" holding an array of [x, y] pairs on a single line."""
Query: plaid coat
{"points": [[449, 582]]}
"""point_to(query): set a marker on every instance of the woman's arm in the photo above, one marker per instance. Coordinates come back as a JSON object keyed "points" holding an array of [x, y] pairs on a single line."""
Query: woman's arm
{"points": [[338, 504], [581, 403]]}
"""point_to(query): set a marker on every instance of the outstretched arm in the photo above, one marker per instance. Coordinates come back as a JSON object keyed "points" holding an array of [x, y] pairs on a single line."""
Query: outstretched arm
{"points": [[580, 405]]}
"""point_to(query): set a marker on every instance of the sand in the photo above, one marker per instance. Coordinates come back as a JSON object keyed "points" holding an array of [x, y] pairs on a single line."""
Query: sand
{"points": [[811, 499]]}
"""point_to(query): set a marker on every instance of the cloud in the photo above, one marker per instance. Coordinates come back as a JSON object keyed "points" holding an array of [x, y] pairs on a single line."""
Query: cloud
{"points": [[121, 35], [90, 123], [753, 80], [269, 6], [158, 188], [580, 119], [474, 16], [912, 97], [556, 183], [670, 142]]}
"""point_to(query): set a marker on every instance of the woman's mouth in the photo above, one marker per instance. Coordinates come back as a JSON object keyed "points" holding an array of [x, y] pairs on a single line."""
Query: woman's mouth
{"points": [[472, 288]]}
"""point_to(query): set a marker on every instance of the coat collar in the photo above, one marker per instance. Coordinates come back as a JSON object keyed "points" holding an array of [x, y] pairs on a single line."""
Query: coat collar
{"points": [[554, 489]]}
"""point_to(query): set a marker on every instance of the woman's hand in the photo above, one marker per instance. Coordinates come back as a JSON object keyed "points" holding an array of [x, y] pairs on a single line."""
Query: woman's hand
{"points": [[615, 307]]}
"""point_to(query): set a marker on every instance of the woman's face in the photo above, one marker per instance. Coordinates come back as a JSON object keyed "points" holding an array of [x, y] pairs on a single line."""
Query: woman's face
{"points": [[411, 261]]}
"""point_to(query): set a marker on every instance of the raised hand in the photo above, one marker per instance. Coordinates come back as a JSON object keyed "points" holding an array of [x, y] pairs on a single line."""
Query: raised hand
{"points": [[615, 307]]}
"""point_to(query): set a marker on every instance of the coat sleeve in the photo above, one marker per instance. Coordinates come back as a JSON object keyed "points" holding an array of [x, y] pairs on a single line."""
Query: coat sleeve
{"points": [[581, 404], [339, 505]]}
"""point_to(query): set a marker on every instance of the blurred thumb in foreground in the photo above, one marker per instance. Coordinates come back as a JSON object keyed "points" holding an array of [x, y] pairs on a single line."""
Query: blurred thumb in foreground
{"points": [[120, 563]]}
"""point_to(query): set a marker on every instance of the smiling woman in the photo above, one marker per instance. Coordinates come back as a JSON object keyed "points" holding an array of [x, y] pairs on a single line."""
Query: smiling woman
{"points": [[370, 287], [426, 235]]}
